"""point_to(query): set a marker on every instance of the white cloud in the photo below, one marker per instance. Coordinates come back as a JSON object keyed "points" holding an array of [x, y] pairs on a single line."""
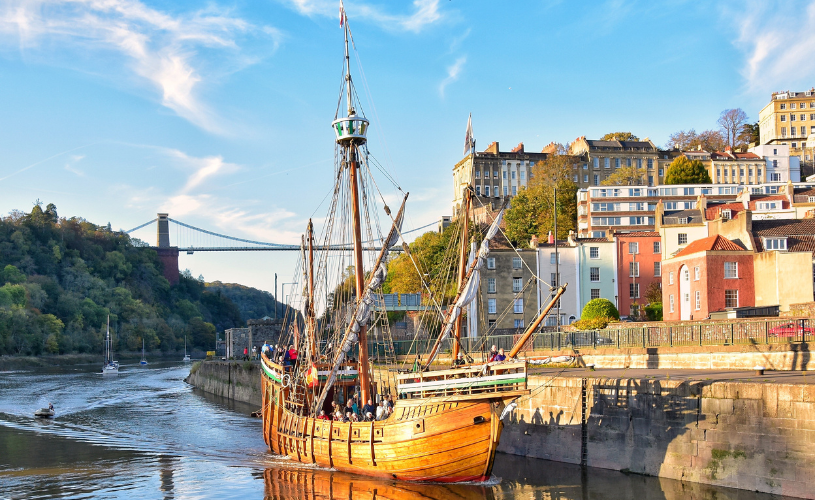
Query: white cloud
{"points": [[70, 166], [203, 168], [453, 73], [425, 13], [776, 43], [159, 48]]}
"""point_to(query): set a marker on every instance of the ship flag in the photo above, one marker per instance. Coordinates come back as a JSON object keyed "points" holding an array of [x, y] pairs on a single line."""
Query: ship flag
{"points": [[469, 140], [342, 14]]}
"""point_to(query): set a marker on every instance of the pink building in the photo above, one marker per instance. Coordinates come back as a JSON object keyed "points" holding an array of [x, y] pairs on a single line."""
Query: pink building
{"points": [[708, 275], [638, 265]]}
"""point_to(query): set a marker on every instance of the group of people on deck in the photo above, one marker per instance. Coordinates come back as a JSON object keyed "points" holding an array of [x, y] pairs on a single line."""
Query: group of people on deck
{"points": [[281, 355], [496, 355], [351, 411]]}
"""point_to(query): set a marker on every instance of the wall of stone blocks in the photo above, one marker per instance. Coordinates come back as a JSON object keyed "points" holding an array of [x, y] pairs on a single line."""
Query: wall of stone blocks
{"points": [[236, 381], [752, 436]]}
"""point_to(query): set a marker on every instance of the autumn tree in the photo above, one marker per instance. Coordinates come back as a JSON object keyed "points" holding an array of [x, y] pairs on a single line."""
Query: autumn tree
{"points": [[685, 171], [731, 122], [619, 136], [626, 176], [533, 209]]}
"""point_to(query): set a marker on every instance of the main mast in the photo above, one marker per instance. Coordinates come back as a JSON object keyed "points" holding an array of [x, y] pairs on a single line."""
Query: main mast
{"points": [[462, 267], [350, 135]]}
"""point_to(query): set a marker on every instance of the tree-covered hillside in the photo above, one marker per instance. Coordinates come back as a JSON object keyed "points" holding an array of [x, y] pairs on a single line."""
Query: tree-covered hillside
{"points": [[60, 278], [251, 302]]}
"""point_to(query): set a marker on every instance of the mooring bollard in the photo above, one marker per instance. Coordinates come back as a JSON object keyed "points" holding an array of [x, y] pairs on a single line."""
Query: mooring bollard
{"points": [[590, 367], [759, 369]]}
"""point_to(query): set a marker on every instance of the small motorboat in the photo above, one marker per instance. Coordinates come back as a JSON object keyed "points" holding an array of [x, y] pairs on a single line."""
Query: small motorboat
{"points": [[45, 412]]}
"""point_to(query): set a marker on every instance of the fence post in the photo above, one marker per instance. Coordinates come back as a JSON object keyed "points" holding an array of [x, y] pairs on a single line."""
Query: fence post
{"points": [[700, 334], [644, 332], [558, 341], [671, 335], [766, 332], [732, 333]]}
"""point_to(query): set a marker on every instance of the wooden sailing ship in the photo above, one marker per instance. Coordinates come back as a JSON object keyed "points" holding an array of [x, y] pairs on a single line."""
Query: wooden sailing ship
{"points": [[446, 424]]}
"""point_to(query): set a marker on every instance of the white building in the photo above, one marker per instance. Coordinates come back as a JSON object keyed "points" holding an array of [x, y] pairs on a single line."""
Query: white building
{"points": [[780, 166], [568, 270]]}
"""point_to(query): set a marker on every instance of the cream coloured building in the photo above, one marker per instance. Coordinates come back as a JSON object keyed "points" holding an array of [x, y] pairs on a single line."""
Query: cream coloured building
{"points": [[787, 120]]}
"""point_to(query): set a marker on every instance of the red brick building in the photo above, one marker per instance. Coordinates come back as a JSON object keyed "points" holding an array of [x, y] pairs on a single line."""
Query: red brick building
{"points": [[708, 275], [638, 265]]}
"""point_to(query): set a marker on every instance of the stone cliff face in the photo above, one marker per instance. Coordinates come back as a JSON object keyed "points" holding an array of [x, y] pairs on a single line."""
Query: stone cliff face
{"points": [[234, 380]]}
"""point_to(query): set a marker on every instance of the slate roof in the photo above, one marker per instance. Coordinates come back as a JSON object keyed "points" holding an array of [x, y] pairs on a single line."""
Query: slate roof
{"points": [[711, 243], [784, 227], [713, 211], [693, 215]]}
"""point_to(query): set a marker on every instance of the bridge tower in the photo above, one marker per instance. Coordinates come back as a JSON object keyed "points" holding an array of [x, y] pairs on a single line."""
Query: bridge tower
{"points": [[166, 254]]}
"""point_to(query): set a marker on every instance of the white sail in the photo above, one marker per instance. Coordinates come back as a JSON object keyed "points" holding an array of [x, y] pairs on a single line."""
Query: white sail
{"points": [[470, 291]]}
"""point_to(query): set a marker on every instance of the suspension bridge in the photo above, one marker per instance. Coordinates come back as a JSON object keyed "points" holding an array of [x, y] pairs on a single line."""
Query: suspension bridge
{"points": [[191, 239]]}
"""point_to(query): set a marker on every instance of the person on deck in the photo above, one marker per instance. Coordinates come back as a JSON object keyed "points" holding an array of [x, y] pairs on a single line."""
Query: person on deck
{"points": [[286, 359], [389, 401], [500, 356], [369, 408], [350, 405], [369, 417], [459, 360], [292, 354], [323, 416], [493, 353], [381, 410]]}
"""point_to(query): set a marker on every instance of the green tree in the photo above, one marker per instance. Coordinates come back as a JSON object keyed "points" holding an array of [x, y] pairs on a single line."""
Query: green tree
{"points": [[749, 134], [599, 308], [533, 209], [619, 136], [685, 171], [626, 176]]}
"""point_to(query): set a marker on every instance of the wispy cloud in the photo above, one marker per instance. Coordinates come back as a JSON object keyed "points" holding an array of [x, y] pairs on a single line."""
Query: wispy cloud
{"points": [[159, 48], [777, 43], [70, 166], [19, 171], [453, 73], [202, 167], [424, 13]]}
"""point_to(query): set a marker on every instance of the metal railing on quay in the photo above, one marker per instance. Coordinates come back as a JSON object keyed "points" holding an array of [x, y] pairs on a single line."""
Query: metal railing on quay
{"points": [[744, 332]]}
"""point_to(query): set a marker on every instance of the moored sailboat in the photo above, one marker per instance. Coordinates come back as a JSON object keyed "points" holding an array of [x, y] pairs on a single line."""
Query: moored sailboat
{"points": [[111, 366], [143, 357], [446, 424], [186, 356]]}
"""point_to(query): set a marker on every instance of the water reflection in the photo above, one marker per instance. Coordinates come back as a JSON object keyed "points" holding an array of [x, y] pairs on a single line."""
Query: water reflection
{"points": [[282, 484]]}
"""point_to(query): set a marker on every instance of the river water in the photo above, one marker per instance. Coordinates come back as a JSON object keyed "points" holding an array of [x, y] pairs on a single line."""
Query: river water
{"points": [[147, 434]]}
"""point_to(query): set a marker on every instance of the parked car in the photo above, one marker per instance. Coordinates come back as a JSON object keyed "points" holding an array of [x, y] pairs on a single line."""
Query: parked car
{"points": [[791, 329]]}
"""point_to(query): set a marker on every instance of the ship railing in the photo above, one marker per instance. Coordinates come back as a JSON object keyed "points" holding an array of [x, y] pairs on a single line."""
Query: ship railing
{"points": [[496, 377]]}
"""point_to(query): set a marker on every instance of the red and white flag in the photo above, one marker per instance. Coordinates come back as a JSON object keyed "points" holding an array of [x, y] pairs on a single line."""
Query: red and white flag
{"points": [[469, 140], [342, 14]]}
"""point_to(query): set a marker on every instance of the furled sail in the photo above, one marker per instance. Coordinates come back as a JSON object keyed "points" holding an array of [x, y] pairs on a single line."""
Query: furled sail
{"points": [[365, 305], [470, 290]]}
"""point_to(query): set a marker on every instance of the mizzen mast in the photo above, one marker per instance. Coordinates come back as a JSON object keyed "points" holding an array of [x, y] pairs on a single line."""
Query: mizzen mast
{"points": [[350, 135]]}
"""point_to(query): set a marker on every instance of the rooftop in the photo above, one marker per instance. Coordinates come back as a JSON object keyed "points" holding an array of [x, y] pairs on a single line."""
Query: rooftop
{"points": [[711, 243]]}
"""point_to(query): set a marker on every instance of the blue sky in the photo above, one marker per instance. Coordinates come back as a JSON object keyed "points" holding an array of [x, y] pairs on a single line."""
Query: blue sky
{"points": [[219, 112]]}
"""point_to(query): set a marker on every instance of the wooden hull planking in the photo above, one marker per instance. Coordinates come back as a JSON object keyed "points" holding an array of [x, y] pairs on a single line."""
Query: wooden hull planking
{"points": [[429, 439]]}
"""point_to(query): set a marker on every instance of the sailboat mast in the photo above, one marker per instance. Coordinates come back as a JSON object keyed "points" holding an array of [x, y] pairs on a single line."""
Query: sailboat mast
{"points": [[312, 326], [462, 267], [359, 272]]}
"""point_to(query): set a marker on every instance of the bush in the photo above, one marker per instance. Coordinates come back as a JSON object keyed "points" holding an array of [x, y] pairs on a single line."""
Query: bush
{"points": [[600, 308], [593, 324], [654, 311]]}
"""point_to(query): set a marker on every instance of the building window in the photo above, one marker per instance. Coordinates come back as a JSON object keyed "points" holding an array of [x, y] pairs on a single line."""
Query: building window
{"points": [[519, 323], [596, 163], [657, 269], [596, 180], [775, 243], [656, 247], [506, 190], [682, 238], [586, 178], [594, 253], [698, 300], [478, 190], [783, 131], [490, 262], [552, 257], [513, 175], [671, 278], [731, 298], [554, 280], [696, 273], [594, 274], [486, 190], [518, 306], [491, 324], [731, 269], [477, 174], [491, 306], [516, 263], [490, 285], [607, 162], [783, 118], [671, 302], [783, 106], [517, 284], [792, 117], [634, 290], [523, 175], [633, 248], [504, 174], [594, 294], [514, 190], [616, 163], [683, 220], [634, 269]]}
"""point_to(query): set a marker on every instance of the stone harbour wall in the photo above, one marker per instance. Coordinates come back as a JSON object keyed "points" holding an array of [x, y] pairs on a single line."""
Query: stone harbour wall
{"points": [[746, 435], [239, 381]]}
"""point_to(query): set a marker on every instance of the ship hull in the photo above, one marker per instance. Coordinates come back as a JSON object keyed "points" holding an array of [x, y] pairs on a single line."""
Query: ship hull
{"points": [[426, 439]]}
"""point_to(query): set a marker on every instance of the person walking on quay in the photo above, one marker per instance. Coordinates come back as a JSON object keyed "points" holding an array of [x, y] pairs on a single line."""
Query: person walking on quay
{"points": [[246, 354]]}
